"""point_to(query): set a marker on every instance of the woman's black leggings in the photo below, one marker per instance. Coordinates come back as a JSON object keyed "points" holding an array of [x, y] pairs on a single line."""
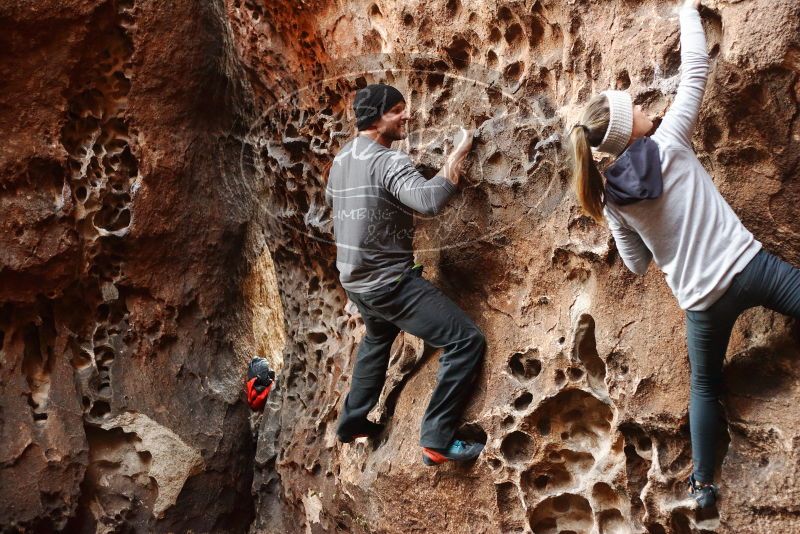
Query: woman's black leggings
{"points": [[766, 281]]}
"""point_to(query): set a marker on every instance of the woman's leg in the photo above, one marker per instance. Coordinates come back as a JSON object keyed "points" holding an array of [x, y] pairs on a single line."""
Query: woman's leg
{"points": [[707, 335], [775, 284], [767, 281]]}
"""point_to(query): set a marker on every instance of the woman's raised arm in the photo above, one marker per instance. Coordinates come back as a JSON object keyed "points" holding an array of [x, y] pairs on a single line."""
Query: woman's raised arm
{"points": [[679, 121]]}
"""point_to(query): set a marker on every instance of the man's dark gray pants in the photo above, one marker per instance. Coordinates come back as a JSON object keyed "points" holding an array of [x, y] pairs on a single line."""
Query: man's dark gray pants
{"points": [[415, 306], [766, 281]]}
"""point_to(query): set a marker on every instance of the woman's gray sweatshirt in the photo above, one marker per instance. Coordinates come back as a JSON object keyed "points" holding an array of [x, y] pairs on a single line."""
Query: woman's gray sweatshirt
{"points": [[690, 232]]}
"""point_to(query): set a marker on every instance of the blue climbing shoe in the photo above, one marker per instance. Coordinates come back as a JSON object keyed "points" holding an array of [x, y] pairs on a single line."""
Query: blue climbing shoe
{"points": [[704, 494], [457, 451]]}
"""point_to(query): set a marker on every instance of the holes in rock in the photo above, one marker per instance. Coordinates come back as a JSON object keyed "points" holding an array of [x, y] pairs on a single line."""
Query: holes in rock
{"points": [[471, 432], [317, 337], [375, 11], [517, 447], [504, 14], [81, 194], [495, 96], [604, 495], [104, 356], [623, 80], [453, 7], [712, 135], [636, 466], [112, 219], [581, 419], [523, 401], [373, 43], [547, 525], [672, 63], [541, 482], [612, 522], [508, 421], [434, 81], [533, 151], [491, 58], [408, 19], [513, 71], [585, 348], [458, 52], [574, 373], [525, 365], [564, 513], [37, 366], [145, 457], [543, 426], [495, 36], [495, 159], [555, 474], [117, 475], [80, 360], [513, 34], [494, 463], [560, 378], [680, 523], [100, 409]]}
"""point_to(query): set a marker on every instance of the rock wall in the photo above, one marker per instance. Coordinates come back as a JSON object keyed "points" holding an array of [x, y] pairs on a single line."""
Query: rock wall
{"points": [[126, 256], [162, 217], [582, 399]]}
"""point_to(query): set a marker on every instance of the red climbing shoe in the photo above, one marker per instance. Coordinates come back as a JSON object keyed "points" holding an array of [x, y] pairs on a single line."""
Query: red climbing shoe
{"points": [[458, 451]]}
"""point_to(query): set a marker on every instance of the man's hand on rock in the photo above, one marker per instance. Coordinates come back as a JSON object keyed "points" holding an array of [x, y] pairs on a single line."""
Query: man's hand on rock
{"points": [[462, 144], [691, 3]]}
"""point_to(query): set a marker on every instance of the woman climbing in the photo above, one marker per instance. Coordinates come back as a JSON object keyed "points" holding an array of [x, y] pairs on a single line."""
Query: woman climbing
{"points": [[660, 204]]}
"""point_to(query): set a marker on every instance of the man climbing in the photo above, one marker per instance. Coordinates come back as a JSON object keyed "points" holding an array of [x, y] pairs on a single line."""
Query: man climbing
{"points": [[372, 190]]}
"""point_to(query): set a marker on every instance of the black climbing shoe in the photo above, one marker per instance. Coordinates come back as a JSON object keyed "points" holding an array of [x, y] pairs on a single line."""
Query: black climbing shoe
{"points": [[369, 430], [704, 494]]}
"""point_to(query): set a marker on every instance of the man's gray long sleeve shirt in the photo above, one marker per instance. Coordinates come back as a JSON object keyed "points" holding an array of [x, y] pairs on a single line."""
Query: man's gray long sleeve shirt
{"points": [[373, 191]]}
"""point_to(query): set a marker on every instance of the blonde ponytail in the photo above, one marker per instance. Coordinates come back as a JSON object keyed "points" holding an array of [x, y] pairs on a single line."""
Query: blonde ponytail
{"points": [[587, 133]]}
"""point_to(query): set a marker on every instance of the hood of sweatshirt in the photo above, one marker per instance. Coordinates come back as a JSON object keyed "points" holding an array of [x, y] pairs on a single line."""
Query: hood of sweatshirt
{"points": [[636, 175]]}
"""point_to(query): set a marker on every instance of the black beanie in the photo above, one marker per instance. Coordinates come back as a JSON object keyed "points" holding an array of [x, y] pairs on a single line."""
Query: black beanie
{"points": [[373, 101]]}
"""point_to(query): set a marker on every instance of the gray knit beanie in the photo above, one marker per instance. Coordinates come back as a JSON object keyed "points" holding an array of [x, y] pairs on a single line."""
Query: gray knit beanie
{"points": [[620, 125]]}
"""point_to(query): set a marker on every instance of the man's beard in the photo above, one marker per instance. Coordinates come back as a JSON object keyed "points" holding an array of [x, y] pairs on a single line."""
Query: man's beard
{"points": [[397, 134]]}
